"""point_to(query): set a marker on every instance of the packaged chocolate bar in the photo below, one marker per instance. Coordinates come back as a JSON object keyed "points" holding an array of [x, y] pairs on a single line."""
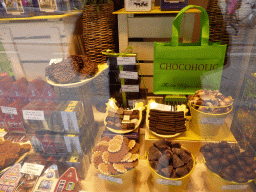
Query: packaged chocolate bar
{"points": [[13, 117], [68, 181], [72, 114], [48, 181], [10, 179]]}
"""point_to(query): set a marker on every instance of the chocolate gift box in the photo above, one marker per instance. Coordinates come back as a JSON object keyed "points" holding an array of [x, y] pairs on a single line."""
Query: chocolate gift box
{"points": [[10, 179], [48, 181], [14, 122], [68, 181]]}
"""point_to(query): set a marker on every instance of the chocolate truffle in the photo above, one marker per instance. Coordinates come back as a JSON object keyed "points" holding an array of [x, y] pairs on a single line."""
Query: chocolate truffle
{"points": [[223, 162], [206, 148], [231, 158], [249, 160], [224, 144], [208, 155], [217, 152], [227, 150], [215, 163]]}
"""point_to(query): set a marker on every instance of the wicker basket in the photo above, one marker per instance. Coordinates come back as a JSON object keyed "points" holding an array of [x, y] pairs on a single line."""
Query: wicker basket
{"points": [[98, 25]]}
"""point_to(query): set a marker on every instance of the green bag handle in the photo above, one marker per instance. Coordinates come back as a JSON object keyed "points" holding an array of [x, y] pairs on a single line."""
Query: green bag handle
{"points": [[204, 26]]}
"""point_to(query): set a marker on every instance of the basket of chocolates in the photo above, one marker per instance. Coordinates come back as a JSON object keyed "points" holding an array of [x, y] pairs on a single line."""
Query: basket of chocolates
{"points": [[171, 165], [11, 153], [121, 121], [72, 71], [226, 166], [116, 157], [208, 111]]}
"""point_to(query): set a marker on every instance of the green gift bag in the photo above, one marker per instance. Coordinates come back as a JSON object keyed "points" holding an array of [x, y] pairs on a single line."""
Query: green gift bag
{"points": [[183, 68]]}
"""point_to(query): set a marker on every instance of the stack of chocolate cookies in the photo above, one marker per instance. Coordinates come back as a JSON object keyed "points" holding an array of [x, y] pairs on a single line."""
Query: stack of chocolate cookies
{"points": [[115, 155], [166, 122], [169, 159], [227, 161], [121, 119], [70, 70]]}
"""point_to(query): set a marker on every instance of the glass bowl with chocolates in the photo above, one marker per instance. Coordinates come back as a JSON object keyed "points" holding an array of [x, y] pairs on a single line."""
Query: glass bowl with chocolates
{"points": [[169, 161], [227, 165], [122, 121], [208, 101]]}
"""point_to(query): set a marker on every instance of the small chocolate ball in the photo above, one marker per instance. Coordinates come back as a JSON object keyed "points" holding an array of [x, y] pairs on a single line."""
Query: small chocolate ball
{"points": [[224, 162], [224, 144], [227, 150], [251, 175], [217, 152], [254, 165], [206, 148], [248, 169], [231, 157], [240, 174], [227, 174], [233, 167], [249, 160], [235, 149], [215, 163], [208, 156], [241, 179]]}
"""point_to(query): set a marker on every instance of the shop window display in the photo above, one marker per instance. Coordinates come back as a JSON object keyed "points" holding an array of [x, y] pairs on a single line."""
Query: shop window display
{"points": [[98, 106]]}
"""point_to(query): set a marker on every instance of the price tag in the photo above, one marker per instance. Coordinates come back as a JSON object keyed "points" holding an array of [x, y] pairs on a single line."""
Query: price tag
{"points": [[9, 110], [129, 75], [169, 182], [33, 115], [126, 61], [216, 121], [160, 107], [234, 187], [109, 178], [130, 88], [58, 60], [32, 169]]}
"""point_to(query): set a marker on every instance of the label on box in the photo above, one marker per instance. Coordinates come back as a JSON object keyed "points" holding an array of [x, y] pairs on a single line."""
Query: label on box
{"points": [[233, 187], [169, 182], [109, 178], [130, 88], [216, 121], [126, 61], [33, 115], [9, 110], [32, 169], [129, 75], [160, 107]]}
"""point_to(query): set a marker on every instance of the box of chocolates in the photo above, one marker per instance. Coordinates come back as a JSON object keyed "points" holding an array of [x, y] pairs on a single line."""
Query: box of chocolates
{"points": [[65, 117]]}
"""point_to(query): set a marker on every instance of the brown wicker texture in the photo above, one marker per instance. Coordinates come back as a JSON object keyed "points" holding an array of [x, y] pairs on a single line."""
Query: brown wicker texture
{"points": [[218, 26], [98, 24]]}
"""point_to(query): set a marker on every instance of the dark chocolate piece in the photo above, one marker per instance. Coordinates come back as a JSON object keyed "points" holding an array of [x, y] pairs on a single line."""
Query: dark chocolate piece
{"points": [[227, 150], [164, 160], [185, 157], [153, 164], [182, 171], [161, 145], [176, 145], [190, 165], [177, 162], [206, 148], [230, 157], [223, 162], [167, 171], [154, 154], [217, 152], [208, 155]]}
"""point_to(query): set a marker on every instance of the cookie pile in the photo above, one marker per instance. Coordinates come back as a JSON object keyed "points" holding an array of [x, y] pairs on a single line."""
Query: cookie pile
{"points": [[169, 159], [227, 161], [166, 122], [10, 152], [121, 119], [115, 156], [70, 70], [209, 101]]}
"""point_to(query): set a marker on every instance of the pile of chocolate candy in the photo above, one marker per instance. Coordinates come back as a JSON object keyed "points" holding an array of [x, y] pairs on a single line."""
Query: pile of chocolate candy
{"points": [[121, 119], [71, 69], [209, 101], [169, 159], [227, 161]]}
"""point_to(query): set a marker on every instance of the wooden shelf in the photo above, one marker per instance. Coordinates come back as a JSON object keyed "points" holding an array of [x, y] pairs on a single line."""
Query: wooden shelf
{"points": [[156, 10]]}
